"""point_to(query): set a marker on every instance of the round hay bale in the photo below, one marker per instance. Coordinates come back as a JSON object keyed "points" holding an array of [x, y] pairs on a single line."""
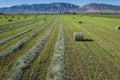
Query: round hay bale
{"points": [[78, 36], [45, 19], [10, 20], [118, 27], [80, 22]]}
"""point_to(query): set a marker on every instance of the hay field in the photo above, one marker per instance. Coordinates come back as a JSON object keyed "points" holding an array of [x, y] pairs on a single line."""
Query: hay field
{"points": [[30, 46]]}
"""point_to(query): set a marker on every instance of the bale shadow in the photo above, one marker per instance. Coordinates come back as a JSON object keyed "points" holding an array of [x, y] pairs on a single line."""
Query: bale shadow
{"points": [[86, 40], [90, 40]]}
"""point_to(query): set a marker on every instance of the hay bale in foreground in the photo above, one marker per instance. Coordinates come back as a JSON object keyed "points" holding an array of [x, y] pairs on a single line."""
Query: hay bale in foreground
{"points": [[118, 27], [78, 36]]}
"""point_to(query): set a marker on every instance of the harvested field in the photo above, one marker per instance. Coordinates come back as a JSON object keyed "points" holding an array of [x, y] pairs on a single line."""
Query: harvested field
{"points": [[48, 47]]}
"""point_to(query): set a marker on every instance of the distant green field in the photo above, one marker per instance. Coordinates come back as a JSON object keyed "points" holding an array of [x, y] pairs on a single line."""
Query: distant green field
{"points": [[28, 43]]}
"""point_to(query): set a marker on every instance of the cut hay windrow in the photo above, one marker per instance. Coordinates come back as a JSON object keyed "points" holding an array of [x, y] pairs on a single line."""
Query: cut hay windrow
{"points": [[56, 70], [11, 26], [26, 59], [20, 43], [17, 35]]}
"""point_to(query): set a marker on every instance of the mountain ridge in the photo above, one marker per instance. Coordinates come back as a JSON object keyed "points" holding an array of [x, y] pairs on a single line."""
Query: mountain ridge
{"points": [[61, 7], [100, 7]]}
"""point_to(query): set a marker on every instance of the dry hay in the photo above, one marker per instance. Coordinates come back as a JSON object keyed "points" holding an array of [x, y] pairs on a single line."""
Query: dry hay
{"points": [[26, 59], [56, 69], [118, 27], [80, 22], [78, 36]]}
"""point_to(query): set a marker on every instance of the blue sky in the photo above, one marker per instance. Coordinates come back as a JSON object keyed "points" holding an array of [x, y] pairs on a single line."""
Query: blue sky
{"points": [[5, 3]]}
